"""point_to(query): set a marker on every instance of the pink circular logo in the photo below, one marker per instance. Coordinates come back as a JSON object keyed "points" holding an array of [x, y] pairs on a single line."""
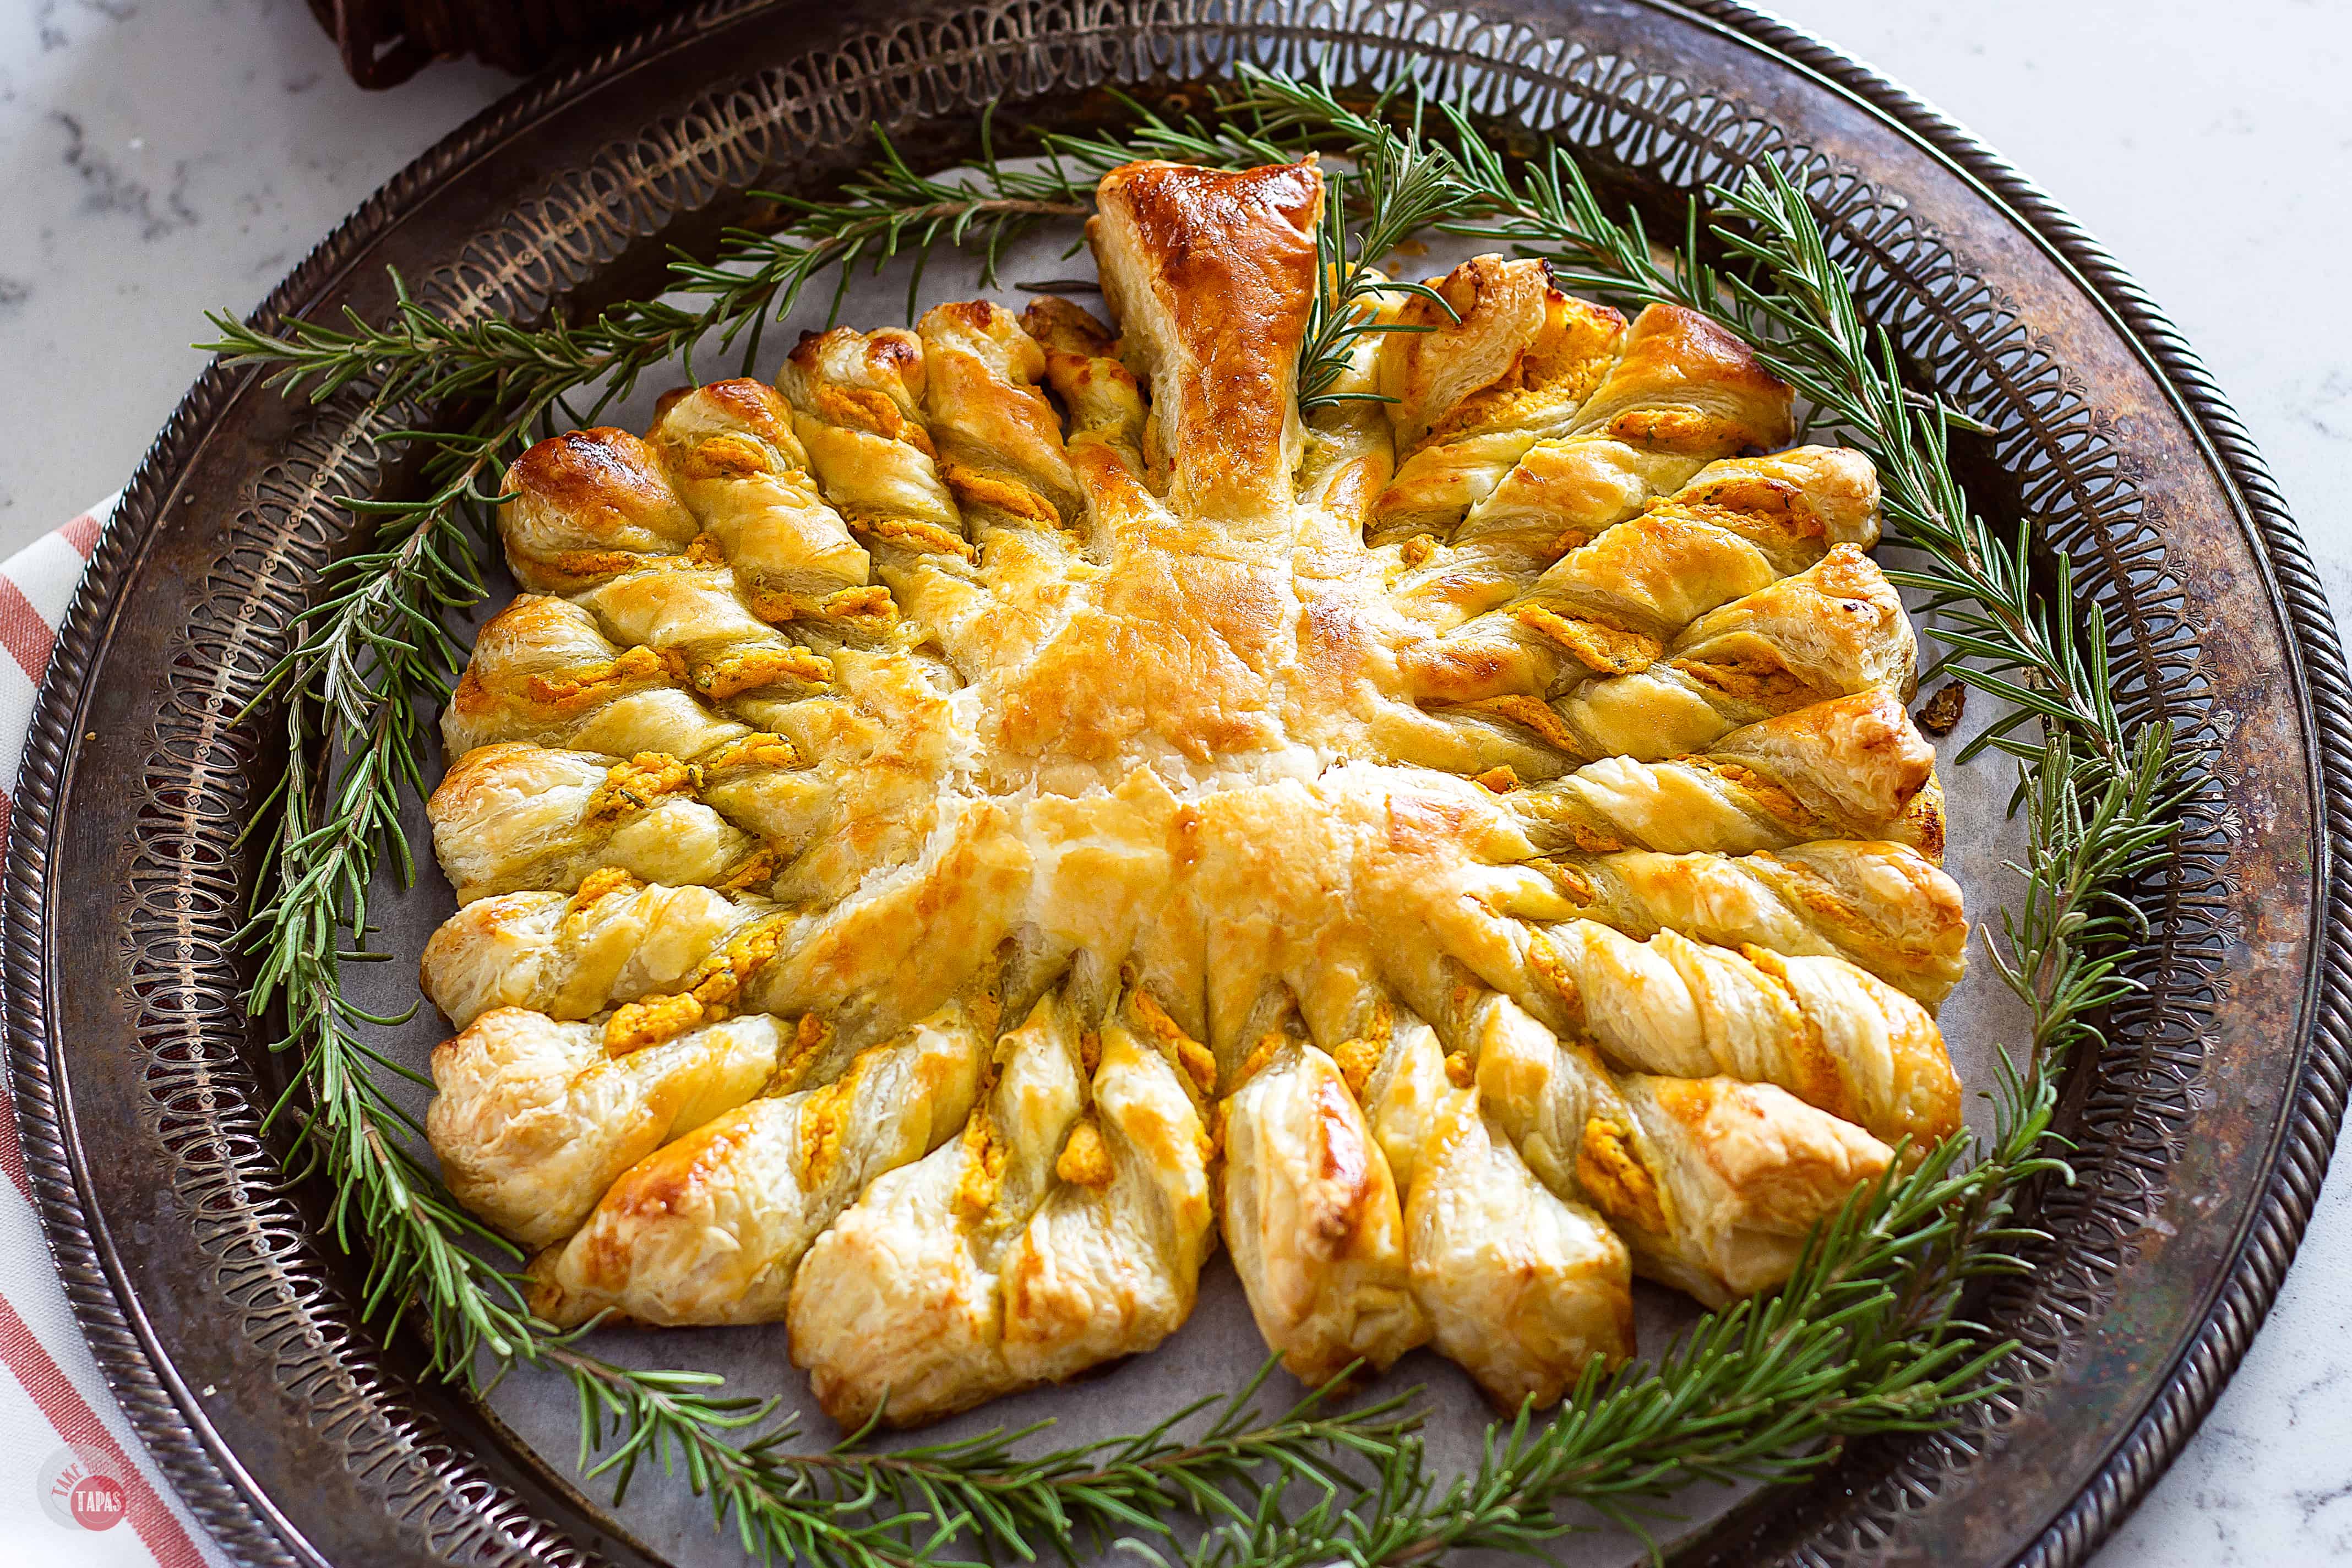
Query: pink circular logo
{"points": [[97, 1502]]}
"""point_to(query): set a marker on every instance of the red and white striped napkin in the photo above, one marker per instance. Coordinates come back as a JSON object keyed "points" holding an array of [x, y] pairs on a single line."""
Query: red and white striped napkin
{"points": [[75, 1486]]}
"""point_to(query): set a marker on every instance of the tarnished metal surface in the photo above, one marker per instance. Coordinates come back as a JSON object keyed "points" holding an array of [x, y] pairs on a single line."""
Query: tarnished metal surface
{"points": [[2203, 1126]]}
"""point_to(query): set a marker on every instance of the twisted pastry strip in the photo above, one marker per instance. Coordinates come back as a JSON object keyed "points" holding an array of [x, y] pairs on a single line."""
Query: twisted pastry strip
{"points": [[1000, 442], [1108, 427], [1473, 740], [1313, 1217], [543, 673], [1854, 767], [1882, 907], [1067, 1226], [1372, 1180], [1833, 630], [1522, 1286], [592, 515], [612, 941], [856, 400], [710, 1228], [1501, 1157], [858, 403], [1830, 1032], [1714, 1183], [1682, 392], [1471, 392], [1002, 456], [723, 480], [697, 622], [730, 453], [534, 1120], [510, 817], [590, 506], [1835, 1036], [1610, 606], [1082, 366]]}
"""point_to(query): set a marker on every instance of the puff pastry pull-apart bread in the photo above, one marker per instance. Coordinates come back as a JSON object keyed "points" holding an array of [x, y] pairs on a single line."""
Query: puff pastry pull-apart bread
{"points": [[942, 839]]}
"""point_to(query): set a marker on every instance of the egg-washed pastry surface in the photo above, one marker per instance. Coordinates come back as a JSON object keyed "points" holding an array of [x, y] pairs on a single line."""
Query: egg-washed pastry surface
{"points": [[944, 838]]}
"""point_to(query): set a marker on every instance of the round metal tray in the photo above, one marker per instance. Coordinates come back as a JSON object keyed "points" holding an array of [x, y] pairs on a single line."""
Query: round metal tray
{"points": [[2203, 1126]]}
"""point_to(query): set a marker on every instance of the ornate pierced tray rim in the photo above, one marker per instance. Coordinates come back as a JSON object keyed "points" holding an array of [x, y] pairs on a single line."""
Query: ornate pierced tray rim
{"points": [[169, 1419]]}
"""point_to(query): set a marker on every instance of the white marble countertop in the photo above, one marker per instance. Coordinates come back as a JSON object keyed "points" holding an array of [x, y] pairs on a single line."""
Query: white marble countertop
{"points": [[163, 157]]}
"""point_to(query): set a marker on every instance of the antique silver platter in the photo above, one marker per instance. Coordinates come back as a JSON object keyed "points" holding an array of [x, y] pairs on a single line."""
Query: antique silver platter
{"points": [[228, 1327]]}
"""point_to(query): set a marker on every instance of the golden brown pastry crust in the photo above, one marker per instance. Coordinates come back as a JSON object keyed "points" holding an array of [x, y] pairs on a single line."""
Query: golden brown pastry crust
{"points": [[1622, 594], [1067, 1226], [711, 1227], [535, 1119], [1628, 412], [1314, 1220], [1714, 1183], [1505, 351], [1523, 1288], [1882, 907], [942, 835], [1212, 275]]}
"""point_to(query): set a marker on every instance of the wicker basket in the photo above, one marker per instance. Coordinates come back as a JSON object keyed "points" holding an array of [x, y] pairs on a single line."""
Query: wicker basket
{"points": [[385, 42]]}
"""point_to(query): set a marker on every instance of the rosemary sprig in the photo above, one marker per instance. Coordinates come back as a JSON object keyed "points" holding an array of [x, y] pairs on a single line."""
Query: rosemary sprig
{"points": [[356, 736], [1868, 1336], [865, 1509], [1982, 600], [2092, 830], [419, 359], [1402, 184]]}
